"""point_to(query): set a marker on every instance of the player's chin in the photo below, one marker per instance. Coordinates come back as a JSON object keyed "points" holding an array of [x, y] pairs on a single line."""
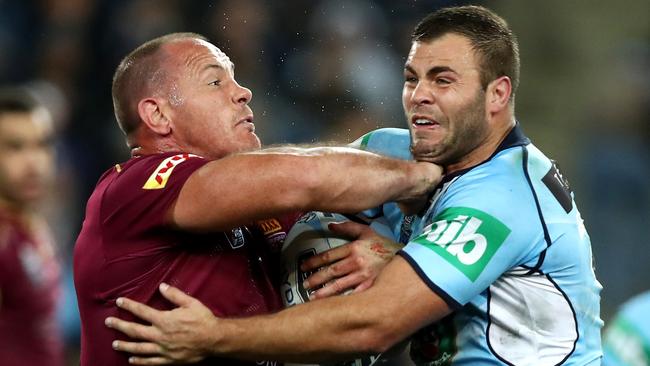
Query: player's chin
{"points": [[250, 143], [425, 152]]}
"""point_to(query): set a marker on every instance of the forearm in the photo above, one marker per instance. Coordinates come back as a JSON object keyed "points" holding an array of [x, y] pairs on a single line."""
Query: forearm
{"points": [[338, 327], [341, 179], [240, 188], [335, 330]]}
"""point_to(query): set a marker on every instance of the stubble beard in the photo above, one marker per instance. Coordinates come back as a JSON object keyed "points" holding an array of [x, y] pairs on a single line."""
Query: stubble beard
{"points": [[462, 136]]}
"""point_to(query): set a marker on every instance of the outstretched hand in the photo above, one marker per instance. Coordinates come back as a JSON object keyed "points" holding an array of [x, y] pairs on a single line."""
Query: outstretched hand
{"points": [[353, 266], [174, 336]]}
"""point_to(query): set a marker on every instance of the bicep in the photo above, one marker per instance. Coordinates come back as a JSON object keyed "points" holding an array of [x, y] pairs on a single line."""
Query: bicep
{"points": [[231, 192]]}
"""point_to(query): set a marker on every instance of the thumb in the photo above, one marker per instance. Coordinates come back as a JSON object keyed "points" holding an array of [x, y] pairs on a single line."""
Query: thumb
{"points": [[348, 229], [175, 295]]}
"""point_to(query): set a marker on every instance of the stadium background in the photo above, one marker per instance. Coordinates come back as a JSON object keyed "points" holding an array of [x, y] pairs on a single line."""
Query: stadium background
{"points": [[332, 70]]}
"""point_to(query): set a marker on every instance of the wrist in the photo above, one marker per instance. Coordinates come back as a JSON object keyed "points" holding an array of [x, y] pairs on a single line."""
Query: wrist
{"points": [[216, 335]]}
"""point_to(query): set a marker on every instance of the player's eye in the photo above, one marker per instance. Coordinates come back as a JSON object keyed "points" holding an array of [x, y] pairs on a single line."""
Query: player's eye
{"points": [[410, 79], [443, 81], [215, 83]]}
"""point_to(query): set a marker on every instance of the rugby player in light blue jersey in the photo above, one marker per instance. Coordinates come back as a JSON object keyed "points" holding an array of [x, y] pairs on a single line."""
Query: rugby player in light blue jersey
{"points": [[497, 269], [626, 341]]}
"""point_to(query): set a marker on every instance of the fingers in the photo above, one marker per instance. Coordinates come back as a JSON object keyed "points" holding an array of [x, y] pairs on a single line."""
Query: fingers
{"points": [[336, 287], [364, 285], [150, 360], [325, 258], [175, 295], [138, 309], [133, 330], [349, 228], [138, 348], [333, 271]]}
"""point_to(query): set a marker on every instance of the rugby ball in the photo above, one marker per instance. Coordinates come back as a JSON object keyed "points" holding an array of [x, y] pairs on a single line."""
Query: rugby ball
{"points": [[309, 236]]}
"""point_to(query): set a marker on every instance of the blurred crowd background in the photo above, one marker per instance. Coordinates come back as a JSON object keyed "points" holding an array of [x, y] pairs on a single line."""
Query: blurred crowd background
{"points": [[331, 70]]}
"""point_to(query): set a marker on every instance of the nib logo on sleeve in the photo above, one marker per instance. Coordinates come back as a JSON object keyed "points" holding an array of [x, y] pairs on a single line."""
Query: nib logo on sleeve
{"points": [[466, 238]]}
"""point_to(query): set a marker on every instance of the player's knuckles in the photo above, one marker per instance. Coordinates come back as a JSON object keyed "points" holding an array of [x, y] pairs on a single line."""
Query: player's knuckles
{"points": [[335, 286], [325, 257], [348, 282], [318, 278], [358, 262], [332, 270]]}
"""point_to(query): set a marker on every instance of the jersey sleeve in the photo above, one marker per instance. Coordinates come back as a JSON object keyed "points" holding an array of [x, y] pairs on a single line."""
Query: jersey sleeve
{"points": [[472, 237], [394, 143], [141, 195], [391, 142]]}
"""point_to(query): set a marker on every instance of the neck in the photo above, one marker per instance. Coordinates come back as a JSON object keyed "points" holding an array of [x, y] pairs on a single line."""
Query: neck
{"points": [[486, 148], [143, 144]]}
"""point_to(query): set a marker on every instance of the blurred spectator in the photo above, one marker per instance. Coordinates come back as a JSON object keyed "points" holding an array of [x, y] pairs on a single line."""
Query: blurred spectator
{"points": [[613, 153], [29, 270], [344, 69]]}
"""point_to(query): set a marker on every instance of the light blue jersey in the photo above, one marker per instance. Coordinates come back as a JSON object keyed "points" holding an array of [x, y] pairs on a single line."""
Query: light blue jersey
{"points": [[394, 143], [504, 245], [627, 338]]}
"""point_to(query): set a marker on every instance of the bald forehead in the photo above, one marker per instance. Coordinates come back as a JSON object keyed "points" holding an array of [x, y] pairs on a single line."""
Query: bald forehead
{"points": [[196, 54]]}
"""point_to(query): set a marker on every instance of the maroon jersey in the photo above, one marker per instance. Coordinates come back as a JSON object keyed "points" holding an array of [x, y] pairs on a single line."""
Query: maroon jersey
{"points": [[29, 290], [126, 248]]}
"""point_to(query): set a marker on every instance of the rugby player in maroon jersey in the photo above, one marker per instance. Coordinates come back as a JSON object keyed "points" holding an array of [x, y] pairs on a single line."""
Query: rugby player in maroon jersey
{"points": [[29, 270], [180, 210]]}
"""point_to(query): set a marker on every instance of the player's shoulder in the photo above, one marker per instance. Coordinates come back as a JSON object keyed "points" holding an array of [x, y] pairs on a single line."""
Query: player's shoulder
{"points": [[153, 171], [497, 187], [393, 142]]}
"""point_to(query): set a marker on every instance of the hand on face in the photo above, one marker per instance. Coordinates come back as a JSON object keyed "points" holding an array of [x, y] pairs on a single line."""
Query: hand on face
{"points": [[174, 336], [426, 177], [353, 266]]}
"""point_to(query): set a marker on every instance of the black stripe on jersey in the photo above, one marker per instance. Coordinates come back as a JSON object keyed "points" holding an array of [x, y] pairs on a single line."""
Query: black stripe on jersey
{"points": [[547, 237], [453, 304]]}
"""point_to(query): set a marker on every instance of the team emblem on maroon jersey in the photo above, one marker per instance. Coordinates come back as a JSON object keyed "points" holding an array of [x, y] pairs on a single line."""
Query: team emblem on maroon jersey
{"points": [[236, 238], [270, 226]]}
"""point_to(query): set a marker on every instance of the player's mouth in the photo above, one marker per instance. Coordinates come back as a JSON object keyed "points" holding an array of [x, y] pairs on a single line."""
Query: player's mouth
{"points": [[247, 121], [424, 122]]}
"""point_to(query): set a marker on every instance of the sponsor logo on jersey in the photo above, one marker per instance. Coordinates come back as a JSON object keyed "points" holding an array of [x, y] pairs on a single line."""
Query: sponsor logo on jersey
{"points": [[466, 238], [559, 187], [158, 179]]}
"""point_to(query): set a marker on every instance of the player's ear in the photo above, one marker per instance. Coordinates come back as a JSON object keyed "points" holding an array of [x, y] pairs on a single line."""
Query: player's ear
{"points": [[498, 94], [154, 115]]}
